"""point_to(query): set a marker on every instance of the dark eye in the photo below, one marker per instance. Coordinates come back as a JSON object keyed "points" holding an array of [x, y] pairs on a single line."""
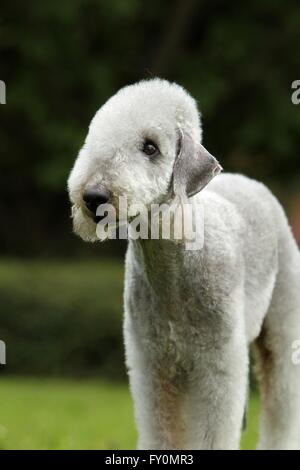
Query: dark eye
{"points": [[150, 148]]}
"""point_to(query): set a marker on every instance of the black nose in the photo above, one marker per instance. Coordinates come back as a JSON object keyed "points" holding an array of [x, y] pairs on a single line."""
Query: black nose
{"points": [[94, 197]]}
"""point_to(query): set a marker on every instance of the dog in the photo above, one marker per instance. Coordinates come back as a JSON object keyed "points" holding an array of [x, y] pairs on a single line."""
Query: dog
{"points": [[191, 315]]}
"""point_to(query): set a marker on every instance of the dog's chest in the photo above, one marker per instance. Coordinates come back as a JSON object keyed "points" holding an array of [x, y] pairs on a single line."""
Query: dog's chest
{"points": [[173, 317], [172, 328]]}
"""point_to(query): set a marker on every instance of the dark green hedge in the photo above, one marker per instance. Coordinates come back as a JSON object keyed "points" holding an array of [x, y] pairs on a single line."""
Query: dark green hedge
{"points": [[62, 319]]}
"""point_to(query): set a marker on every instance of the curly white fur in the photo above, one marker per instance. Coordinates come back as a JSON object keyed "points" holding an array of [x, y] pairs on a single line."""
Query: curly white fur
{"points": [[191, 315]]}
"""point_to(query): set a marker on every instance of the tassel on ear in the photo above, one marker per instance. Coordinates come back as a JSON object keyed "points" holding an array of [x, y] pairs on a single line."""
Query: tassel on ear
{"points": [[194, 167]]}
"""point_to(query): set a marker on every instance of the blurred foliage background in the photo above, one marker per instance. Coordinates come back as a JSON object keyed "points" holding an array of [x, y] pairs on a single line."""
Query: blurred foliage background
{"points": [[61, 299], [62, 59]]}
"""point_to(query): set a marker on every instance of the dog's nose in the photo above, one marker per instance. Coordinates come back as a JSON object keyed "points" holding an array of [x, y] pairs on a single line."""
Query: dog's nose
{"points": [[94, 197]]}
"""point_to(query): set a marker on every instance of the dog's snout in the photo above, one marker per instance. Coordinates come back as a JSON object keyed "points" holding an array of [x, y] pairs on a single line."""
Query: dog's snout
{"points": [[95, 197]]}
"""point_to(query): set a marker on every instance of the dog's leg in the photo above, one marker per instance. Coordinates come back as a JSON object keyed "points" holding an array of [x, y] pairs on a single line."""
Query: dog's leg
{"points": [[159, 416], [217, 398], [202, 411], [158, 400], [278, 374], [208, 414]]}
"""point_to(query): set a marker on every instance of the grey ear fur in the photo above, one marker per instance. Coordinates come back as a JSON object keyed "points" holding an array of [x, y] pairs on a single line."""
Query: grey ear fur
{"points": [[194, 167]]}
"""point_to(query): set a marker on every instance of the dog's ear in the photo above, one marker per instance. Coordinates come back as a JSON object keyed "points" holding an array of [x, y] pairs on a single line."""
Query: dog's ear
{"points": [[194, 167]]}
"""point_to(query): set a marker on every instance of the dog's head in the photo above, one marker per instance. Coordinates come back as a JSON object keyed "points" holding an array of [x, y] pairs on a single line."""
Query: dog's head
{"points": [[144, 144]]}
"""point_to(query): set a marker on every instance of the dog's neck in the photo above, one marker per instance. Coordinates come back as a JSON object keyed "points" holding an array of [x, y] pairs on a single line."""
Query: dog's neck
{"points": [[160, 260]]}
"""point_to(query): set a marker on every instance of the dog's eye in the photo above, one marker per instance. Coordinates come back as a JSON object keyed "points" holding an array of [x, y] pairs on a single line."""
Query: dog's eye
{"points": [[149, 148]]}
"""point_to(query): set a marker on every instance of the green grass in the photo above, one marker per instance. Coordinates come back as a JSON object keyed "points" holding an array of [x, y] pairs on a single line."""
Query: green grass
{"points": [[57, 414]]}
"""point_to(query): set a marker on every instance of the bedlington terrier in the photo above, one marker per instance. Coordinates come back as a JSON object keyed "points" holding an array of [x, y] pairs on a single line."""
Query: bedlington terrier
{"points": [[190, 315]]}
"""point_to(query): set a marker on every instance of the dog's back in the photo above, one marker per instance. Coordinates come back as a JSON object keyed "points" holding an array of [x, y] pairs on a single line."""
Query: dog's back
{"points": [[242, 215], [272, 268]]}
